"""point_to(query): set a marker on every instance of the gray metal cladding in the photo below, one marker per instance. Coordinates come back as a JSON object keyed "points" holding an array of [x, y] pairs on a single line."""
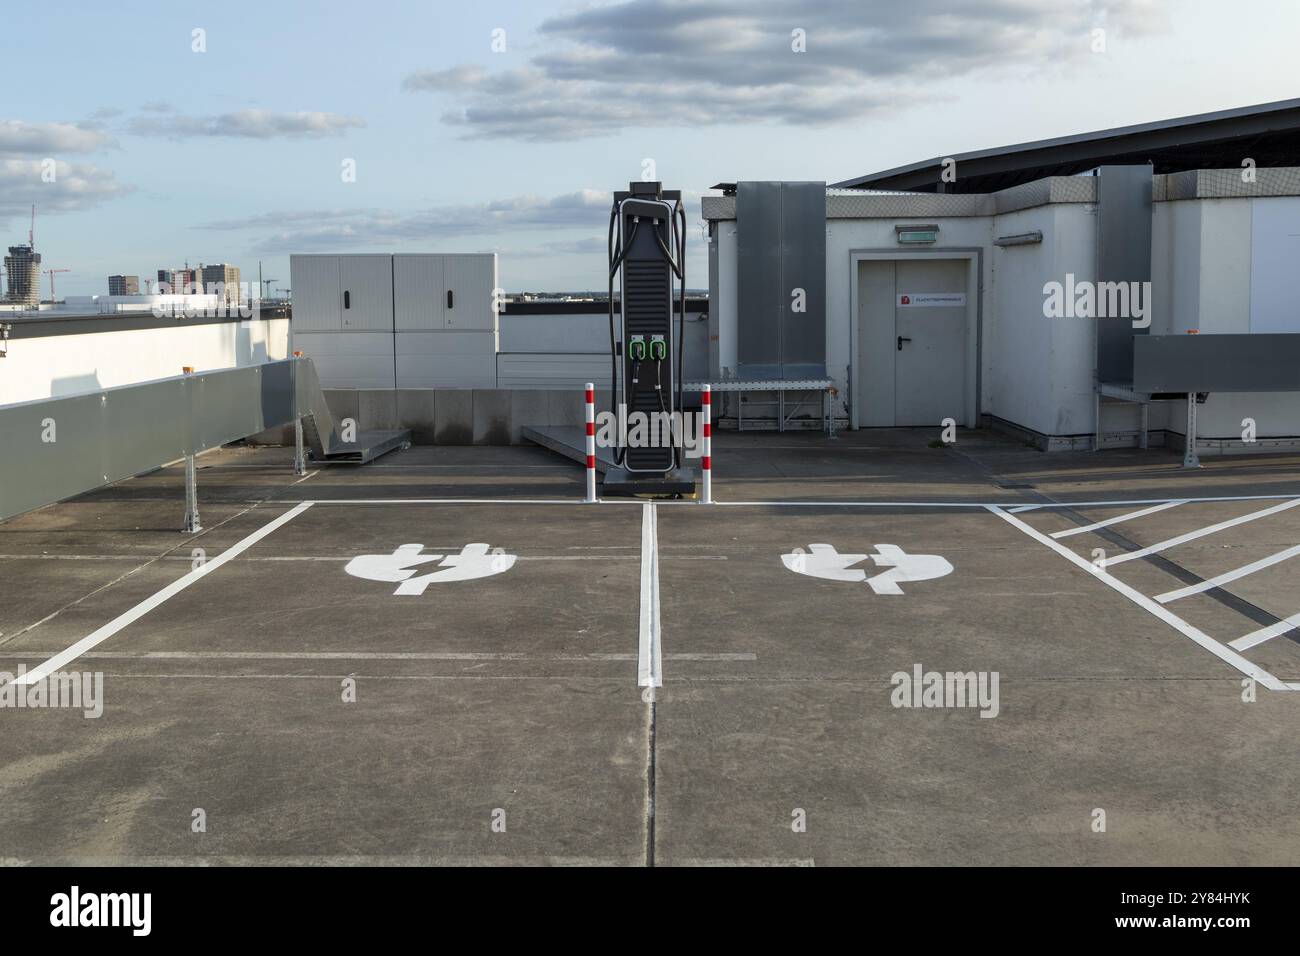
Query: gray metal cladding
{"points": [[1124, 196], [1217, 363], [781, 259]]}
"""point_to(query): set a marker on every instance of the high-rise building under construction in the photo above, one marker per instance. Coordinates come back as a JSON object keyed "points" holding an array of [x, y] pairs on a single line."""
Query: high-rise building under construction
{"points": [[23, 267]]}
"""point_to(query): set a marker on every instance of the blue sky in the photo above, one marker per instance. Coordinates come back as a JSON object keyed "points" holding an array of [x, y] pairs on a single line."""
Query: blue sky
{"points": [[163, 154]]}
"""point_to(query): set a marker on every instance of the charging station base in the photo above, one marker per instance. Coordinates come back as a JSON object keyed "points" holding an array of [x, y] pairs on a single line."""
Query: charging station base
{"points": [[620, 481]]}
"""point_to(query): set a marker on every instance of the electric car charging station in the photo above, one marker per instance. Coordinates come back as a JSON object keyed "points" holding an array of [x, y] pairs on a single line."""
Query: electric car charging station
{"points": [[647, 255]]}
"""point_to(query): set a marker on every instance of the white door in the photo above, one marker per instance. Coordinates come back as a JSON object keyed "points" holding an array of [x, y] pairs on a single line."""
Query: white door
{"points": [[418, 294], [469, 281], [315, 284], [366, 292], [930, 341]]}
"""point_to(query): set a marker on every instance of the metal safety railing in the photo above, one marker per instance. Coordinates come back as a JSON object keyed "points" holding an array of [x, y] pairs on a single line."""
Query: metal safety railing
{"points": [[55, 448]]}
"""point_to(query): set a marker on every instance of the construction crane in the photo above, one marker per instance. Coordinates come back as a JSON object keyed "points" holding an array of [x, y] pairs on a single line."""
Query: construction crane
{"points": [[50, 273]]}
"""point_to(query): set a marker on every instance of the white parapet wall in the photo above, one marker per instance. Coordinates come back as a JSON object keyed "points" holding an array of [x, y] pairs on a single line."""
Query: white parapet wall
{"points": [[62, 354]]}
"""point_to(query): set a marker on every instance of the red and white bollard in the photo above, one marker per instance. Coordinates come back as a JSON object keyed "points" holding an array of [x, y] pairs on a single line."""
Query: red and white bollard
{"points": [[706, 413], [591, 442]]}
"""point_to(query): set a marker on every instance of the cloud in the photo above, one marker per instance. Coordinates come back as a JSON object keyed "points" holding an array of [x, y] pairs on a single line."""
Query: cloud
{"points": [[705, 62], [244, 124], [18, 138], [75, 187], [338, 229]]}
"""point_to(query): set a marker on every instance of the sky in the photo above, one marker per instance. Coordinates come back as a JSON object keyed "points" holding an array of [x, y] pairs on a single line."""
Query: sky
{"points": [[152, 133]]}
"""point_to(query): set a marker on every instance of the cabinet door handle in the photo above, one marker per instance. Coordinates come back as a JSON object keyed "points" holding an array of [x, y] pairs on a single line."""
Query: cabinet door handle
{"points": [[901, 340], [347, 299], [450, 302]]}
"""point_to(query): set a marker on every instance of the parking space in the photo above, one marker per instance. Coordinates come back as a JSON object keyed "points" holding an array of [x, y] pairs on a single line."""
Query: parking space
{"points": [[366, 677]]}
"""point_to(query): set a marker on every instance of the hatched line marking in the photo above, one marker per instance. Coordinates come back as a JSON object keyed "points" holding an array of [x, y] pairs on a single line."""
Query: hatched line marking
{"points": [[1110, 521], [1226, 654], [1229, 576], [1265, 633], [1200, 533]]}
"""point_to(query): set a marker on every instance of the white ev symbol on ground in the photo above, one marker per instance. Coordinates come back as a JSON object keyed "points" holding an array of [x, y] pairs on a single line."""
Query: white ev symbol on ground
{"points": [[474, 561], [823, 561]]}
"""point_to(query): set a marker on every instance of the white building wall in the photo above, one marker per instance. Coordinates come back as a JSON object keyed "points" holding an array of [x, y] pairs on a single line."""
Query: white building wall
{"points": [[1210, 260], [67, 364], [1018, 383]]}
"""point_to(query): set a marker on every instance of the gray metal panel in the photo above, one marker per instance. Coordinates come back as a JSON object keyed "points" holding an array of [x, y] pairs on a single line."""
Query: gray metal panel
{"points": [[781, 246], [317, 301], [1123, 255], [367, 281], [418, 293], [470, 278], [119, 432], [803, 266], [116, 433], [715, 352], [1217, 363]]}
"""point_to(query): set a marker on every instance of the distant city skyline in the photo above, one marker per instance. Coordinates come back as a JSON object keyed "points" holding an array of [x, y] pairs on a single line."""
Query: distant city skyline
{"points": [[149, 134]]}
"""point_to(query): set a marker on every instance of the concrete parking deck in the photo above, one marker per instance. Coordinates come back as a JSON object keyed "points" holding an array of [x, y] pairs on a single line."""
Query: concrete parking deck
{"points": [[640, 682]]}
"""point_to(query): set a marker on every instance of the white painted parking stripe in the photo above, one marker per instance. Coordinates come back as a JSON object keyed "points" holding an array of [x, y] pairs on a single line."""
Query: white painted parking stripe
{"points": [[1229, 576], [1020, 508], [986, 505], [650, 653], [1110, 521], [502, 656], [980, 505], [1265, 633], [1200, 533], [1221, 651], [40, 672]]}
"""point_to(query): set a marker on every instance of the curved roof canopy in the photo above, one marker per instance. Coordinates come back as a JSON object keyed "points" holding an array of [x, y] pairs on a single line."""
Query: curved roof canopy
{"points": [[1268, 133]]}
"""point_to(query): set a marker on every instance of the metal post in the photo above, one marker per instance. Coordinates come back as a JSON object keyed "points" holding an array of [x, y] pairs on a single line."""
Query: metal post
{"points": [[192, 524], [1144, 433], [1096, 435], [299, 453], [590, 401], [1190, 458], [706, 412]]}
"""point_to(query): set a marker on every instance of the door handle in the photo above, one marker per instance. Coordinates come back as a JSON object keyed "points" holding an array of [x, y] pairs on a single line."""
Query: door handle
{"points": [[901, 340], [347, 299], [449, 299]]}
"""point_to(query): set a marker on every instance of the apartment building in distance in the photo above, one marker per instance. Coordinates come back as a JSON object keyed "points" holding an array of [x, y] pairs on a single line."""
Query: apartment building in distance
{"points": [[123, 285], [222, 279]]}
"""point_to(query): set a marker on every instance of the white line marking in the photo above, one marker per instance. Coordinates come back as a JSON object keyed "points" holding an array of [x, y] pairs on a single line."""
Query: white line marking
{"points": [[1201, 533], [985, 505], [650, 655], [1221, 651], [144, 607], [1229, 576], [1265, 633], [1110, 521], [1017, 510], [722, 657], [980, 505]]}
